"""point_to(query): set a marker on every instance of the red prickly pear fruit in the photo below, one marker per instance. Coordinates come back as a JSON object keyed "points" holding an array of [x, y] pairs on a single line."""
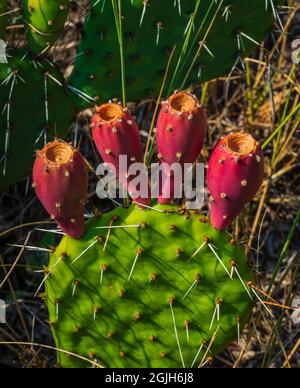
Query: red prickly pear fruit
{"points": [[60, 178], [181, 129], [235, 174], [116, 134]]}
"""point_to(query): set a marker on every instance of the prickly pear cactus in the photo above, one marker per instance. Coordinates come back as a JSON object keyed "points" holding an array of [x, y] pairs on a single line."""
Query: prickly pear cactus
{"points": [[3, 9], [35, 108], [151, 29], [45, 20], [157, 288]]}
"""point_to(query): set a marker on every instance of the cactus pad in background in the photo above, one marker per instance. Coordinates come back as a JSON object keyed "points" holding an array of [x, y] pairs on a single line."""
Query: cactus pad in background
{"points": [[45, 20], [150, 31], [235, 173], [147, 289], [35, 108], [60, 177], [3, 9]]}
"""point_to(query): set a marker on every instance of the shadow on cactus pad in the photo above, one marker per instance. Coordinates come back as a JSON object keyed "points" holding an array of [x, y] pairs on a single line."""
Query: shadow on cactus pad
{"points": [[147, 289], [35, 108]]}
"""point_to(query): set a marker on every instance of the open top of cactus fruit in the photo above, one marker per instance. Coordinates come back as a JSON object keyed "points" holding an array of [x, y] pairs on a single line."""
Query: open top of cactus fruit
{"points": [[110, 113], [57, 153], [183, 103], [241, 143]]}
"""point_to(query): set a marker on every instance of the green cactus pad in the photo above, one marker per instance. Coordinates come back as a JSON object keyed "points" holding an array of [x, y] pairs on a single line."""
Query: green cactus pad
{"points": [[149, 34], [3, 9], [35, 107], [45, 20], [105, 308]]}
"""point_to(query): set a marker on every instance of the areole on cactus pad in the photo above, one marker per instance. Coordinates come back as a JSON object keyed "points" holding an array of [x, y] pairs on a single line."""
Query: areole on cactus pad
{"points": [[165, 298], [226, 30]]}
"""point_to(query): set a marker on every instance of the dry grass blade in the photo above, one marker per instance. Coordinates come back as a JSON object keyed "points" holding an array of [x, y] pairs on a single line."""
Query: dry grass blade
{"points": [[92, 363]]}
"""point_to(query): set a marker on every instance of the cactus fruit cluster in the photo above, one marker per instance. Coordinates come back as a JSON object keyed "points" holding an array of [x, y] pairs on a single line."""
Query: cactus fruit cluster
{"points": [[35, 108], [3, 10], [226, 31], [45, 20], [60, 178], [178, 292], [131, 294]]}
